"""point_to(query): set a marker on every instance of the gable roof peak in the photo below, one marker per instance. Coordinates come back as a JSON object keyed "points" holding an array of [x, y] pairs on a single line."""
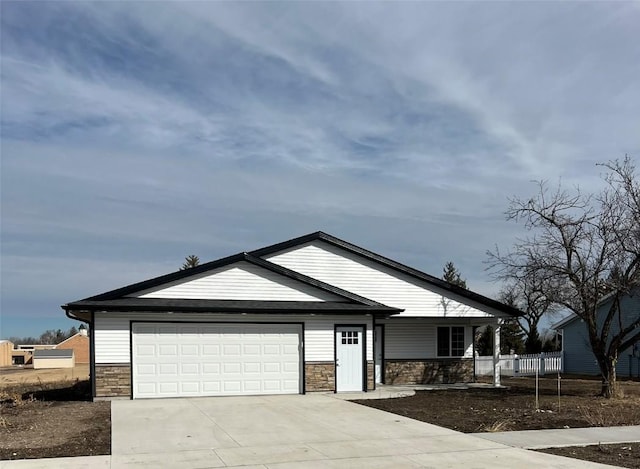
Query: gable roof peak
{"points": [[397, 266]]}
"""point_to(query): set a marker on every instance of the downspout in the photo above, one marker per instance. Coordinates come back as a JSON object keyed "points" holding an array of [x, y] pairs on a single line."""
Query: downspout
{"points": [[92, 352]]}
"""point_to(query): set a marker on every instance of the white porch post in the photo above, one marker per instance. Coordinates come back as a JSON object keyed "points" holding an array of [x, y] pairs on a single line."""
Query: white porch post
{"points": [[496, 354]]}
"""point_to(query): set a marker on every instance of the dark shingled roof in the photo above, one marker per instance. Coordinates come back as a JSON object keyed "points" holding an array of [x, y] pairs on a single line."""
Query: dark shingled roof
{"points": [[117, 300], [53, 353]]}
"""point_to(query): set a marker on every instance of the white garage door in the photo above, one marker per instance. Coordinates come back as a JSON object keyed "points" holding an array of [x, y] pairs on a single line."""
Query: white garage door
{"points": [[197, 359]]}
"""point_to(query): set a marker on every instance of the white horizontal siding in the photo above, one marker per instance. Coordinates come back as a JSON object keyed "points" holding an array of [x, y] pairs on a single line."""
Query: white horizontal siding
{"points": [[406, 340], [112, 339], [240, 281], [319, 336], [375, 281], [111, 335]]}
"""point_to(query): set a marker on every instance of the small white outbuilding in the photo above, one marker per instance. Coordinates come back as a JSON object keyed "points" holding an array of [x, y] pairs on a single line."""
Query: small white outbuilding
{"points": [[53, 358]]}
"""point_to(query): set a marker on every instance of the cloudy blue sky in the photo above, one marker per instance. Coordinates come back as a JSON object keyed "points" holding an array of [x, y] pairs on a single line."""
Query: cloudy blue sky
{"points": [[134, 134]]}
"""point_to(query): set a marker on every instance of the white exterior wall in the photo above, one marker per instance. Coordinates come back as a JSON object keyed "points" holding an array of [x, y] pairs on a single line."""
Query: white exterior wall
{"points": [[404, 340], [367, 278], [240, 281], [112, 336], [41, 363]]}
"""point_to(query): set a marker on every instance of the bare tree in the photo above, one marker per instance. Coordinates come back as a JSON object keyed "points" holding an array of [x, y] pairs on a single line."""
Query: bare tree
{"points": [[528, 295], [583, 248]]}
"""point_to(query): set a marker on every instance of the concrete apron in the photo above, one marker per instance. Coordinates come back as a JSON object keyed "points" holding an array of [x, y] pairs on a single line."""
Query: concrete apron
{"points": [[314, 430]]}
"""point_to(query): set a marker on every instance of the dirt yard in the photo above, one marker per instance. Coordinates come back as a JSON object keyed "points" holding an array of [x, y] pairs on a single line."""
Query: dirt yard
{"points": [[513, 408], [46, 413]]}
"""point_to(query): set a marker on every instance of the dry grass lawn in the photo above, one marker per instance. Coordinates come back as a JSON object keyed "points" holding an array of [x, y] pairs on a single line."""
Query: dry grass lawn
{"points": [[27, 375]]}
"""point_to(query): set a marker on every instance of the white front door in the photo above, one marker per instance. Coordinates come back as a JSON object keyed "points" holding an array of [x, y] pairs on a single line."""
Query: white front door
{"points": [[377, 352], [349, 358]]}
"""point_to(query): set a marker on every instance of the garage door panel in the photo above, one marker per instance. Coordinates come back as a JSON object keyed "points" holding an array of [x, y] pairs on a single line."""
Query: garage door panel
{"points": [[271, 367], [190, 387], [210, 349], [146, 369], [290, 385], [250, 367], [215, 359], [251, 349], [231, 349], [231, 368], [189, 349], [271, 349], [170, 369], [189, 369], [168, 350], [211, 368], [166, 329], [211, 387], [146, 350]]}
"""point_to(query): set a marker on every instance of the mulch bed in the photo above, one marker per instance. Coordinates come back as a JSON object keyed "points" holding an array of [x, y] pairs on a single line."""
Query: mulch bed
{"points": [[623, 455], [53, 420]]}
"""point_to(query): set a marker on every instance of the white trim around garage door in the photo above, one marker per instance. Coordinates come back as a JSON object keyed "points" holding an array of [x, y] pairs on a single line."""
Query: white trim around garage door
{"points": [[189, 359]]}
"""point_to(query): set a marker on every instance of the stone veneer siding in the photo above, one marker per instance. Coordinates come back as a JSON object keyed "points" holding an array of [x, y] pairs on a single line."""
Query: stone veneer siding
{"points": [[113, 380], [432, 371], [371, 375], [319, 376]]}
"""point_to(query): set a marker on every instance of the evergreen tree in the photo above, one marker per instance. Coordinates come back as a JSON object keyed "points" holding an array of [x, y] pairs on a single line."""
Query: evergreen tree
{"points": [[510, 340], [190, 262], [452, 275]]}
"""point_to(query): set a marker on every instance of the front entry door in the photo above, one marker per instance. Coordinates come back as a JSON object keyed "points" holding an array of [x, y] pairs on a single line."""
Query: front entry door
{"points": [[349, 358]]}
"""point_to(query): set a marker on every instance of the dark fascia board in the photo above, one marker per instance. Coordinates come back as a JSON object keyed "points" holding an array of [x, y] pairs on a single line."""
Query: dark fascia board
{"points": [[203, 268], [332, 240], [226, 306]]}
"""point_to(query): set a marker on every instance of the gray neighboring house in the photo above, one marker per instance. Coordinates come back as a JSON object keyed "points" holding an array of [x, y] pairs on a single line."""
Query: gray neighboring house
{"points": [[578, 357]]}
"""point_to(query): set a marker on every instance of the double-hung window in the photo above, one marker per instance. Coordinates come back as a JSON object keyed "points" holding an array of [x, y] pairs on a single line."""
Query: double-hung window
{"points": [[450, 341]]}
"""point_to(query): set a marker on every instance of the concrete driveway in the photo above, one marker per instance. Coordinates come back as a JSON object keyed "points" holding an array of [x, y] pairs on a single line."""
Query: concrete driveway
{"points": [[314, 430]]}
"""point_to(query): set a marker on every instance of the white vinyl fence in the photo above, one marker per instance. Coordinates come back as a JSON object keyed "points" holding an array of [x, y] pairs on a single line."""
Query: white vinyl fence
{"points": [[522, 365]]}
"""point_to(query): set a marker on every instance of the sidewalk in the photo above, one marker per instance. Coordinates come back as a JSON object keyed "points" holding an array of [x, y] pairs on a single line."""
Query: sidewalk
{"points": [[537, 439]]}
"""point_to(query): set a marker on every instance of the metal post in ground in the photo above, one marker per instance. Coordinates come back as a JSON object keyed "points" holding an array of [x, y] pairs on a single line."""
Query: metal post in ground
{"points": [[558, 391], [537, 401]]}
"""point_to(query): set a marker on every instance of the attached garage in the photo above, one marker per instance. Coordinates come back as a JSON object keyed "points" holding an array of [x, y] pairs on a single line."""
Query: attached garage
{"points": [[215, 359]]}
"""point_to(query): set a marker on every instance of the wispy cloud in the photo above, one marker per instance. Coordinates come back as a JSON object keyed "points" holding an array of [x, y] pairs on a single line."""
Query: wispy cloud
{"points": [[133, 135]]}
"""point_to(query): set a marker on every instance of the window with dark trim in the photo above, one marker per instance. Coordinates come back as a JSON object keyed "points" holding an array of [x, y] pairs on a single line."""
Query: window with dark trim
{"points": [[349, 337], [450, 341]]}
